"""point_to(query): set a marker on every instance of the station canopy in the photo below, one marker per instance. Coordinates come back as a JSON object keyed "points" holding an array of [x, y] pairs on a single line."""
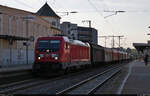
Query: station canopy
{"points": [[141, 46]]}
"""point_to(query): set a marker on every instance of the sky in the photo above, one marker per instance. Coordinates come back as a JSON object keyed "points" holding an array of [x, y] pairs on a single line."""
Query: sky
{"points": [[132, 24]]}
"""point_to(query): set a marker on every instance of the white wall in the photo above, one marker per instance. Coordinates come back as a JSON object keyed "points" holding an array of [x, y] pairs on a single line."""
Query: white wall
{"points": [[16, 57]]}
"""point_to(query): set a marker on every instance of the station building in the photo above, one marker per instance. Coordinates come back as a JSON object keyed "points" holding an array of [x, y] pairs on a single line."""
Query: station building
{"points": [[50, 16], [19, 30]]}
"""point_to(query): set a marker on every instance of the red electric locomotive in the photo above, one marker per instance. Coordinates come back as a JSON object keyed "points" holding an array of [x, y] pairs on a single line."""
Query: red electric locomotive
{"points": [[59, 53]]}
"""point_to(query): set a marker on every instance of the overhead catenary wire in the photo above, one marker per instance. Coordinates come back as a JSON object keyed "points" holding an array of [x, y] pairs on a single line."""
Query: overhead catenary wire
{"points": [[106, 20], [22, 3], [98, 11], [95, 8]]}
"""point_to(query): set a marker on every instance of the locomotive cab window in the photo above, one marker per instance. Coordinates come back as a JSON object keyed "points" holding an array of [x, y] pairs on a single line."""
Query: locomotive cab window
{"points": [[42, 44], [52, 45]]}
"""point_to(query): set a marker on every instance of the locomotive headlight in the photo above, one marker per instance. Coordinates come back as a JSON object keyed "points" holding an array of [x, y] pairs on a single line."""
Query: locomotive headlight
{"points": [[55, 56], [40, 56]]}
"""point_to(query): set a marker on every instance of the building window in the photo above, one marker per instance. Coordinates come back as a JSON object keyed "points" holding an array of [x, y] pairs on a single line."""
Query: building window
{"points": [[58, 25], [68, 25], [68, 32], [54, 23]]}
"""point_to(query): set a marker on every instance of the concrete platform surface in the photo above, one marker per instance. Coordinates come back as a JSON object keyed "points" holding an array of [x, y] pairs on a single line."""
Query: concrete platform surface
{"points": [[137, 81], [16, 68]]}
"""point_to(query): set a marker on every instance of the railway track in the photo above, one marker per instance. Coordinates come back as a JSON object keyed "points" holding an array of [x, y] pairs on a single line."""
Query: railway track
{"points": [[13, 87], [9, 76], [90, 85], [31, 82], [34, 83]]}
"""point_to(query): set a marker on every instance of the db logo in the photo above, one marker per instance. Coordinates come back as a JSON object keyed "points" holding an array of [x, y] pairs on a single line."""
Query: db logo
{"points": [[47, 55]]}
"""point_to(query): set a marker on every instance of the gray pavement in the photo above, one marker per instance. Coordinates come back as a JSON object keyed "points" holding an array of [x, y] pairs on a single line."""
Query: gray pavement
{"points": [[134, 78], [137, 80], [20, 67]]}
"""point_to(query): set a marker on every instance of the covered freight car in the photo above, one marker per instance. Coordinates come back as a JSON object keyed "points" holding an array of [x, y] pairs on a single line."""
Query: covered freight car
{"points": [[115, 55], [108, 55], [97, 54]]}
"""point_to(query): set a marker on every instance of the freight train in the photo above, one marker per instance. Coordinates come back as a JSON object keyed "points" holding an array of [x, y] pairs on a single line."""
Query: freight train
{"points": [[56, 53]]}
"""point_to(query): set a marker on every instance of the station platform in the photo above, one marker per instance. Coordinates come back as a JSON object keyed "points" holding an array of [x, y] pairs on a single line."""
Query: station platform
{"points": [[16, 68], [137, 80]]}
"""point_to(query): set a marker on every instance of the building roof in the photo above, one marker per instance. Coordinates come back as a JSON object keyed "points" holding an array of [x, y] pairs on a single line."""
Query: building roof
{"points": [[46, 10], [8, 10], [141, 46]]}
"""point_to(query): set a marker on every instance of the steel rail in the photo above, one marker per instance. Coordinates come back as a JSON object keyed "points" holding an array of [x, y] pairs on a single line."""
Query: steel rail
{"points": [[100, 84], [13, 87], [16, 83], [67, 90], [22, 86]]}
